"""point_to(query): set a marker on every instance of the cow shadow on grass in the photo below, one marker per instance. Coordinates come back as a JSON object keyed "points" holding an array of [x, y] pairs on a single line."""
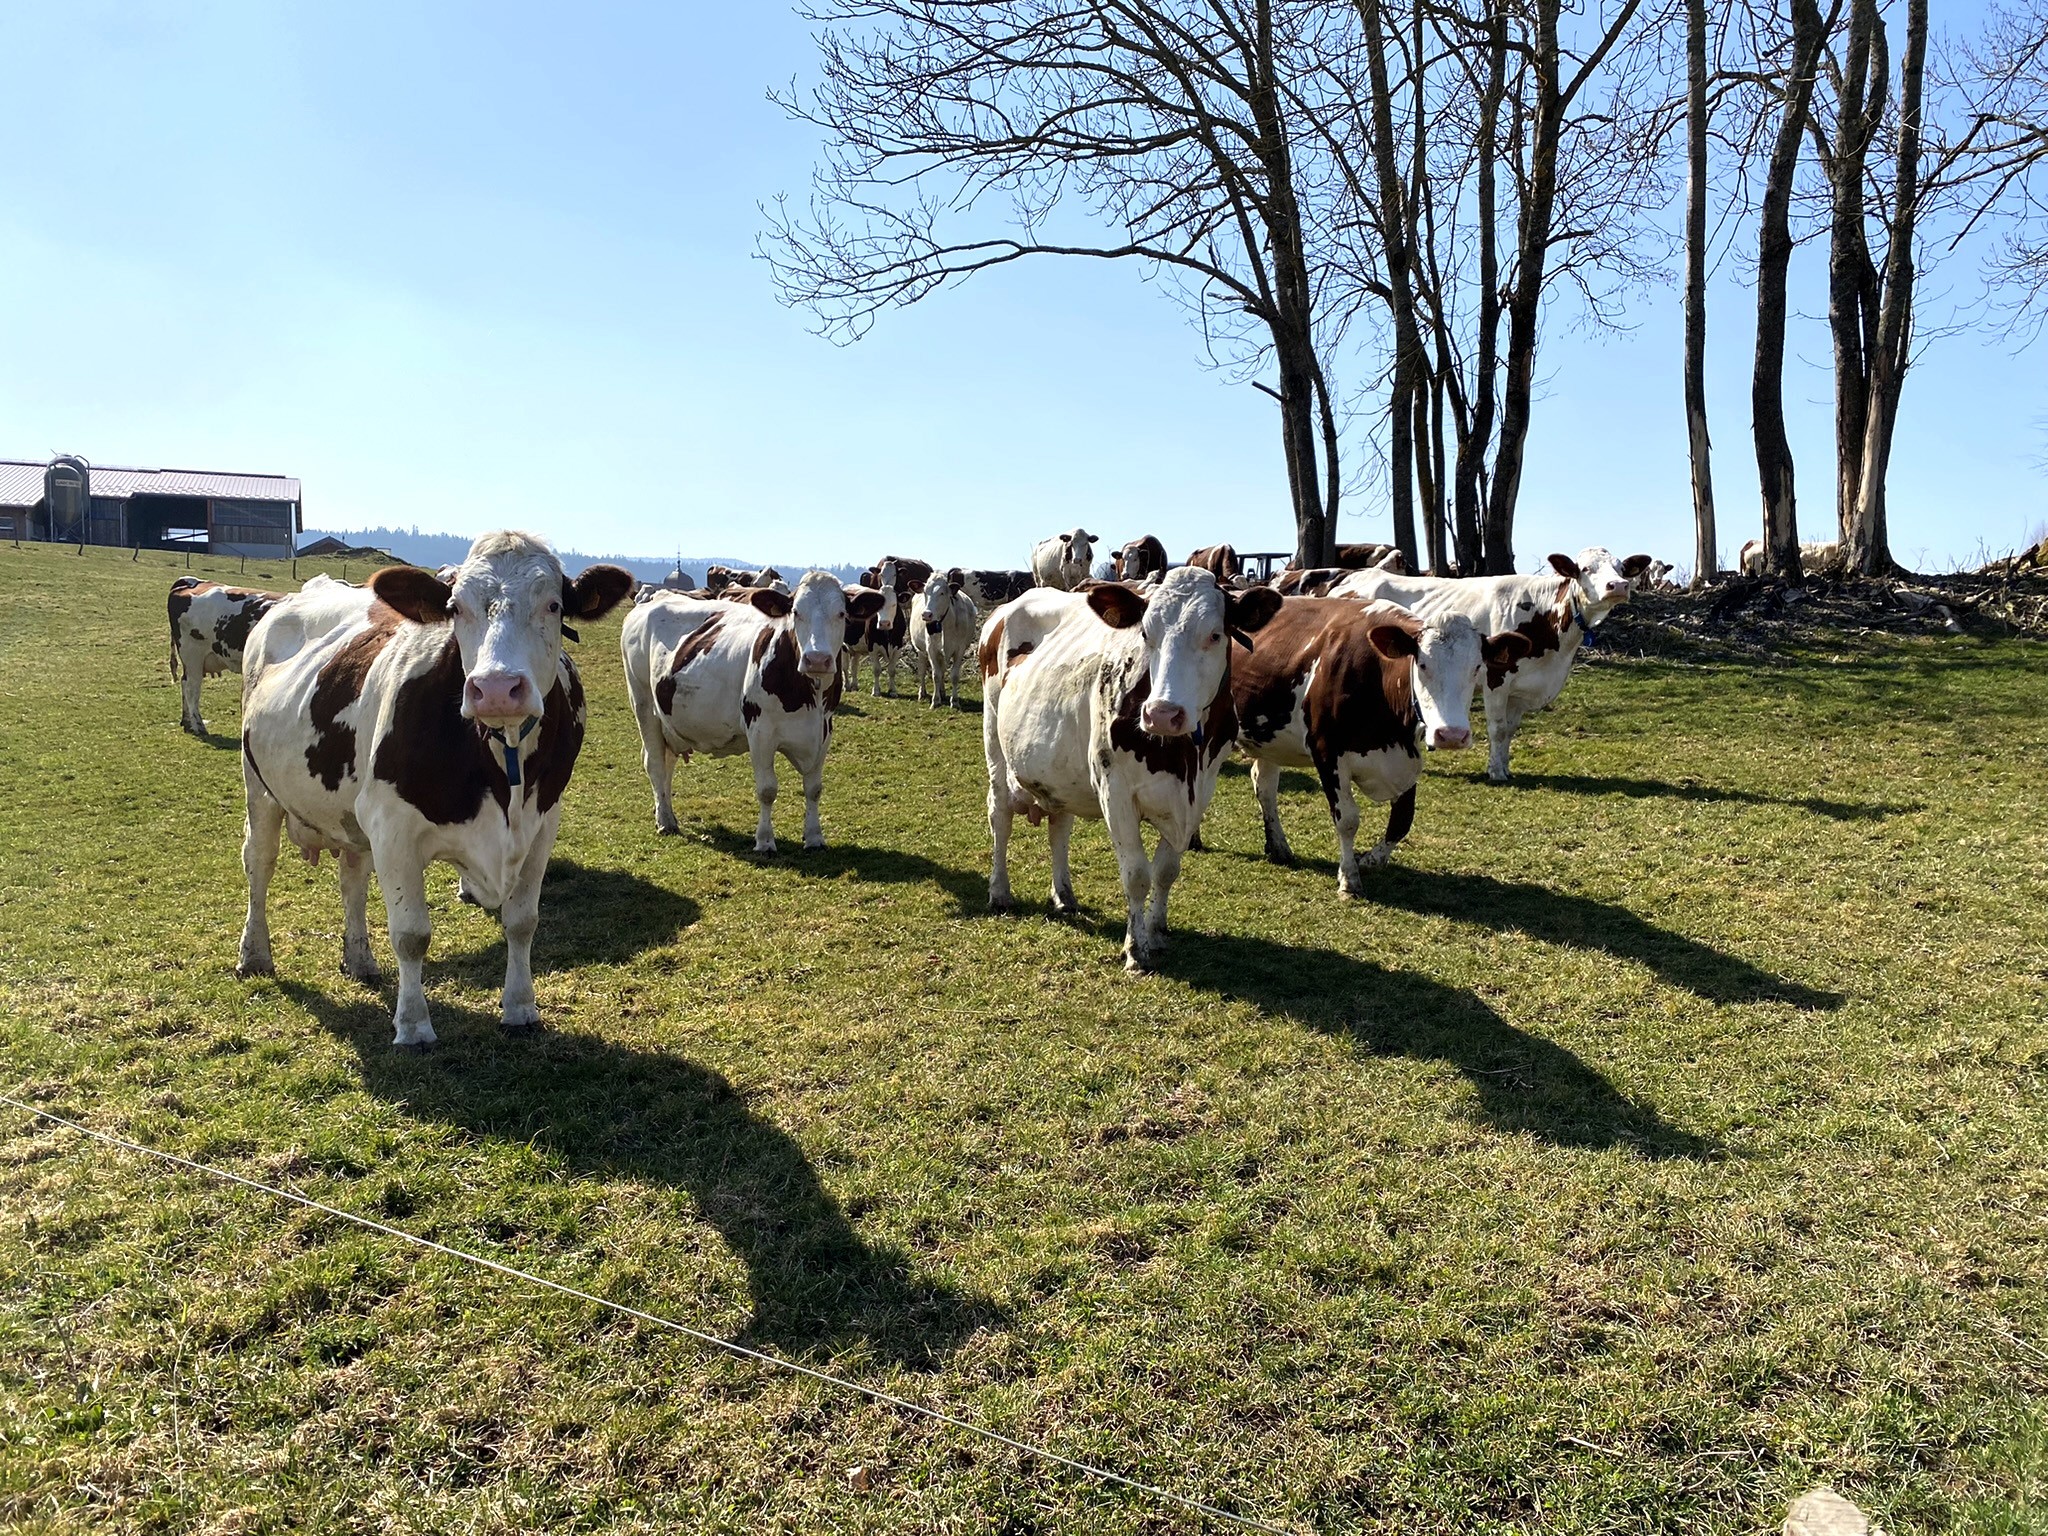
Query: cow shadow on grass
{"points": [[1523, 1082], [816, 1287], [1659, 789], [588, 916], [1579, 922], [884, 866]]}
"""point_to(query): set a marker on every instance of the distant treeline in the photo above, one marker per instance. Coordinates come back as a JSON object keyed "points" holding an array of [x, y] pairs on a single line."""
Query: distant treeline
{"points": [[437, 549]]}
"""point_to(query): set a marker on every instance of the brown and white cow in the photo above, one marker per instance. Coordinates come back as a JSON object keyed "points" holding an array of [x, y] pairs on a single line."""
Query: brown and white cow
{"points": [[1140, 558], [760, 677], [1355, 691], [1220, 561], [441, 722], [210, 626], [1114, 704], [878, 640], [1554, 611], [1064, 560]]}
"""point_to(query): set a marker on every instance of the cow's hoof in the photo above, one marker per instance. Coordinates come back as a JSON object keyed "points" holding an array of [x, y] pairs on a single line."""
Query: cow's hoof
{"points": [[1284, 857], [1002, 906], [1196, 845], [369, 975], [1350, 892], [812, 844], [1496, 778], [1137, 965], [1064, 906], [254, 965], [413, 1047], [523, 1023], [767, 847], [667, 828]]}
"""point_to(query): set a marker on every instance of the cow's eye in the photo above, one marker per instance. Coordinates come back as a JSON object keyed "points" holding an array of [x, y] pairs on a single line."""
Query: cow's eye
{"points": [[1216, 637], [554, 607]]}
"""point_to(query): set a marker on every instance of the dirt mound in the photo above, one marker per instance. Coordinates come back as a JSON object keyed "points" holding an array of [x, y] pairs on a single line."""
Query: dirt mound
{"points": [[1760, 617]]}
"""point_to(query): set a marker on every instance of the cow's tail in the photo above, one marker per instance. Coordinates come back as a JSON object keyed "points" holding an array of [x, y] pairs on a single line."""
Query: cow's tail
{"points": [[175, 674]]}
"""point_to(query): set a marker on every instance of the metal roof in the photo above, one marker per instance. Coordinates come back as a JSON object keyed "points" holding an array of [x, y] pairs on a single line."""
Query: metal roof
{"points": [[21, 483]]}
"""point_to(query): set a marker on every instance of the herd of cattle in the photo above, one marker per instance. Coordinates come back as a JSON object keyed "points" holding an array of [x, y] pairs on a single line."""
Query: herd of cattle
{"points": [[436, 716]]}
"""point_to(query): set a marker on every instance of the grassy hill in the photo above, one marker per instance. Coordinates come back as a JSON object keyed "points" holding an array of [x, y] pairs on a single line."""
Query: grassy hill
{"points": [[1661, 1137]]}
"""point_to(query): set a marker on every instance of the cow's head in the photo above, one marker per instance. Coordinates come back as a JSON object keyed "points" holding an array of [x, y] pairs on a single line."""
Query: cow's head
{"points": [[1604, 582], [941, 592], [817, 612], [506, 603], [1078, 548], [1186, 626], [1445, 657]]}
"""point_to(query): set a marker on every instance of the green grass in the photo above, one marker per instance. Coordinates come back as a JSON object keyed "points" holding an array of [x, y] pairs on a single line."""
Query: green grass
{"points": [[1662, 1137]]}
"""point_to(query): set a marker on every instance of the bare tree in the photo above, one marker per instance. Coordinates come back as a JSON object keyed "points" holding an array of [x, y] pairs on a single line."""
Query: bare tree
{"points": [[1175, 123], [1774, 260], [1706, 546], [2003, 171]]}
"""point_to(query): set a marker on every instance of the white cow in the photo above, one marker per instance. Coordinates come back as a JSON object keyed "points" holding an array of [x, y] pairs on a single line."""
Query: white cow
{"points": [[942, 625], [759, 676], [1554, 612], [1112, 704], [439, 722], [1814, 559], [1063, 561]]}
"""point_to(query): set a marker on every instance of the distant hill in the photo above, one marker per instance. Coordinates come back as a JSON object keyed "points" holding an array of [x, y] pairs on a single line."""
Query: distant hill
{"points": [[433, 550]]}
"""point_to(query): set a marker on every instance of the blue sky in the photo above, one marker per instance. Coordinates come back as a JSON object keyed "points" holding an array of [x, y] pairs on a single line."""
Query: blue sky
{"points": [[469, 265]]}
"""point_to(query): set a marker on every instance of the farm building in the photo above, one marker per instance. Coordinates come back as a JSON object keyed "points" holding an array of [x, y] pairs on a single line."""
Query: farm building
{"points": [[66, 500]]}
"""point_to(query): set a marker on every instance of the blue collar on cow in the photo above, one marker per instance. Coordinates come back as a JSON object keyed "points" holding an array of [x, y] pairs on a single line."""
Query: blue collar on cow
{"points": [[511, 748]]}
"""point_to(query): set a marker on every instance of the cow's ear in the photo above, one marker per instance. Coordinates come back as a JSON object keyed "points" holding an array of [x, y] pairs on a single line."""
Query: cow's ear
{"points": [[1634, 566], [413, 593], [1566, 567], [954, 581], [863, 603], [1066, 538], [595, 593], [1117, 606], [1504, 650], [769, 601], [1394, 641], [1246, 613]]}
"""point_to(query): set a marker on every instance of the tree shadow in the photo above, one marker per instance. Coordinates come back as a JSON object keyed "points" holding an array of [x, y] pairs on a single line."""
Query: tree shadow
{"points": [[588, 916], [884, 866], [1580, 922], [815, 1285], [1524, 1083], [1647, 789]]}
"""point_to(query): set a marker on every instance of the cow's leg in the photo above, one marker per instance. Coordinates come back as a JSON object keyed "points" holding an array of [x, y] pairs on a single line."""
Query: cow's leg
{"points": [[761, 752], [404, 879], [262, 826], [1400, 817], [188, 691], [356, 958], [660, 763], [1165, 870], [813, 775], [1344, 815], [1059, 831], [953, 693], [521, 916], [1127, 838], [1503, 719], [892, 672], [1266, 785], [1002, 815]]}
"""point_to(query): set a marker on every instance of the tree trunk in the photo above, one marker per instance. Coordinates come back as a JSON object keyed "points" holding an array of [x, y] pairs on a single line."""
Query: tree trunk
{"points": [[1470, 506], [1852, 277], [1532, 249], [1706, 546], [1397, 241], [1774, 261], [1868, 536]]}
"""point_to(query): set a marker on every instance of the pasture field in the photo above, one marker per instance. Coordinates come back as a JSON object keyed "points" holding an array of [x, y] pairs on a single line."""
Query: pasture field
{"points": [[1662, 1136]]}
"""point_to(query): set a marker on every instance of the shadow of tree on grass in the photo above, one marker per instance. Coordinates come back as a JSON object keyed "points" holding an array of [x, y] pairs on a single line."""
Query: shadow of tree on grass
{"points": [[1648, 789]]}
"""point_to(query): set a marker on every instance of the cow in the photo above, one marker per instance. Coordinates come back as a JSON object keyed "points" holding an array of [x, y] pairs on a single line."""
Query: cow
{"points": [[441, 722], [911, 575], [1360, 557], [1220, 560], [760, 677], [1754, 559], [1063, 561], [1114, 704], [881, 638], [943, 622], [1315, 581], [1138, 559], [1554, 611], [210, 626], [1354, 691], [989, 590]]}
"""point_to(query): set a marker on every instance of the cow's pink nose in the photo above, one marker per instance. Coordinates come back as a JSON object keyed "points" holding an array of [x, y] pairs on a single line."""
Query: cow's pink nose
{"points": [[496, 695], [1616, 588], [1449, 738], [1163, 719], [818, 661]]}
